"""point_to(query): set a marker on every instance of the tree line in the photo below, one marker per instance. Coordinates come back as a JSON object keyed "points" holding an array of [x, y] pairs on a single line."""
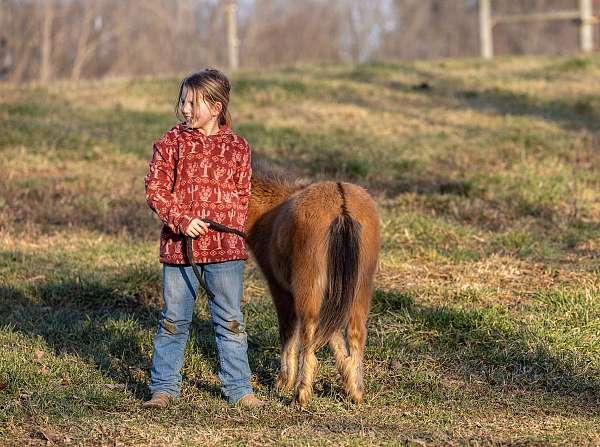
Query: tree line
{"points": [[42, 40]]}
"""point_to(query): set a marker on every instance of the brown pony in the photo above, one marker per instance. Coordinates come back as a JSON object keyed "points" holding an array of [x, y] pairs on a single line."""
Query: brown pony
{"points": [[317, 246]]}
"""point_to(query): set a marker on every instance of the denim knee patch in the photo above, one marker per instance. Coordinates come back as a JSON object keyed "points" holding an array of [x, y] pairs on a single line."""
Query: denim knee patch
{"points": [[169, 326], [235, 326]]}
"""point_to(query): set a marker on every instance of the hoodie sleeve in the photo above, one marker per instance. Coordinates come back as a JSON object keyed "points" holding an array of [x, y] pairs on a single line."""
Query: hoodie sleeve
{"points": [[160, 182], [242, 178]]}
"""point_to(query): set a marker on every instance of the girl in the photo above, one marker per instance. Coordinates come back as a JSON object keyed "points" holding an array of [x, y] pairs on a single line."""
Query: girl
{"points": [[201, 169]]}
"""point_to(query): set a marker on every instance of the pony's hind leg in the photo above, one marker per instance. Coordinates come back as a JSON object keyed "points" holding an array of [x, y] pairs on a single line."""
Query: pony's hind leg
{"points": [[307, 361], [289, 361], [308, 287], [337, 343], [288, 336], [356, 338], [350, 366], [353, 368]]}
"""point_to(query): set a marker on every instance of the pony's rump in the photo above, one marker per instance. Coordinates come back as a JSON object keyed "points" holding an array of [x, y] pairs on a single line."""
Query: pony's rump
{"points": [[342, 273]]}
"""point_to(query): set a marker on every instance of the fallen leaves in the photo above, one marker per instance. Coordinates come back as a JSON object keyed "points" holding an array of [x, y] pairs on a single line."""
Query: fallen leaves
{"points": [[51, 436], [38, 358], [38, 355]]}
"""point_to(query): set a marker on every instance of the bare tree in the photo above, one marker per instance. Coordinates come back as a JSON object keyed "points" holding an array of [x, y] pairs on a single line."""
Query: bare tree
{"points": [[283, 32], [47, 19], [48, 39], [84, 48], [431, 28], [364, 24]]}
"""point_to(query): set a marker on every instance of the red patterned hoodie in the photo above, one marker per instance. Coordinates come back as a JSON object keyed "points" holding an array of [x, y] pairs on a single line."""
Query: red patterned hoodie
{"points": [[194, 175]]}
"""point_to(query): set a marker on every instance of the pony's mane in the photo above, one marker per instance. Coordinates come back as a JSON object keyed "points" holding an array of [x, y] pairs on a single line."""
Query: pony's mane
{"points": [[267, 176]]}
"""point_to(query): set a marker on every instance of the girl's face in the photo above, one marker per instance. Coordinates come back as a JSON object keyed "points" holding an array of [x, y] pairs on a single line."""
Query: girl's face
{"points": [[197, 115]]}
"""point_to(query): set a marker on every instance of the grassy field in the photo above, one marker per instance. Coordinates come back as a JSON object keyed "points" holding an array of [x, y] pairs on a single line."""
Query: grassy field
{"points": [[485, 325]]}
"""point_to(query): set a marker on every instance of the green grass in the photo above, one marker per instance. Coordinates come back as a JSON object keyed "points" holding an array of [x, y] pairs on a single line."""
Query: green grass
{"points": [[484, 324]]}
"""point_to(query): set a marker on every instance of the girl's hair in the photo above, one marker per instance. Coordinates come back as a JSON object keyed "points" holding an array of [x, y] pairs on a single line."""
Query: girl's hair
{"points": [[210, 85]]}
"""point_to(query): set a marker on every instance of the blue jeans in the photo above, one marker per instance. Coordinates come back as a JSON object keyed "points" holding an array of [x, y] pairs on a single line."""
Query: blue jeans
{"points": [[224, 280]]}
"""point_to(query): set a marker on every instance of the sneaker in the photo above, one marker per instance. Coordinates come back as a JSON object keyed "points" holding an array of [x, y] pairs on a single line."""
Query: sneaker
{"points": [[159, 400], [250, 401]]}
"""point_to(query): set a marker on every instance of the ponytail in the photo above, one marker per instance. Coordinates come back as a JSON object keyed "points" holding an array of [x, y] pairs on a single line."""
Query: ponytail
{"points": [[225, 119]]}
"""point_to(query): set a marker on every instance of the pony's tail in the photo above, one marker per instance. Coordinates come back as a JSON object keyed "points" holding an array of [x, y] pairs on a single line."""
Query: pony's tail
{"points": [[343, 254]]}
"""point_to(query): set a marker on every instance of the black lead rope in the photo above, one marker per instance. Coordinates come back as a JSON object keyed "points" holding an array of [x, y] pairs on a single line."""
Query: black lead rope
{"points": [[190, 250]]}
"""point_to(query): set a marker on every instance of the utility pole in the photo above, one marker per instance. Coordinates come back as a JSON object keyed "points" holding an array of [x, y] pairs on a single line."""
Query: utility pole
{"points": [[233, 44]]}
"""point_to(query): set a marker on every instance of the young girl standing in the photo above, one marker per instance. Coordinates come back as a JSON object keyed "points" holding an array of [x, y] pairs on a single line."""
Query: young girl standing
{"points": [[201, 169]]}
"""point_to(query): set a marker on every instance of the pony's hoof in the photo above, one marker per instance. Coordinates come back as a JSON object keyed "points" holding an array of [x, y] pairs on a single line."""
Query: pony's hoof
{"points": [[303, 396], [357, 398], [356, 395], [283, 383]]}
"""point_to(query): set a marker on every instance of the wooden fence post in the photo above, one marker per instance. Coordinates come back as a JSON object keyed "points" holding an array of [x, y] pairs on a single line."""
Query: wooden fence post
{"points": [[485, 29], [585, 27], [232, 39]]}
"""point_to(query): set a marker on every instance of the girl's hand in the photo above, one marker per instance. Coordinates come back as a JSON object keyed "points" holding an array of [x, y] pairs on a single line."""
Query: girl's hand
{"points": [[196, 228]]}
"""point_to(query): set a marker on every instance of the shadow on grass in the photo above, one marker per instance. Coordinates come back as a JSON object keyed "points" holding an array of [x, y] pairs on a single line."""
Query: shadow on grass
{"points": [[338, 153], [488, 344], [572, 113], [343, 159], [90, 320], [111, 326], [575, 113], [55, 205], [46, 122], [108, 323]]}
